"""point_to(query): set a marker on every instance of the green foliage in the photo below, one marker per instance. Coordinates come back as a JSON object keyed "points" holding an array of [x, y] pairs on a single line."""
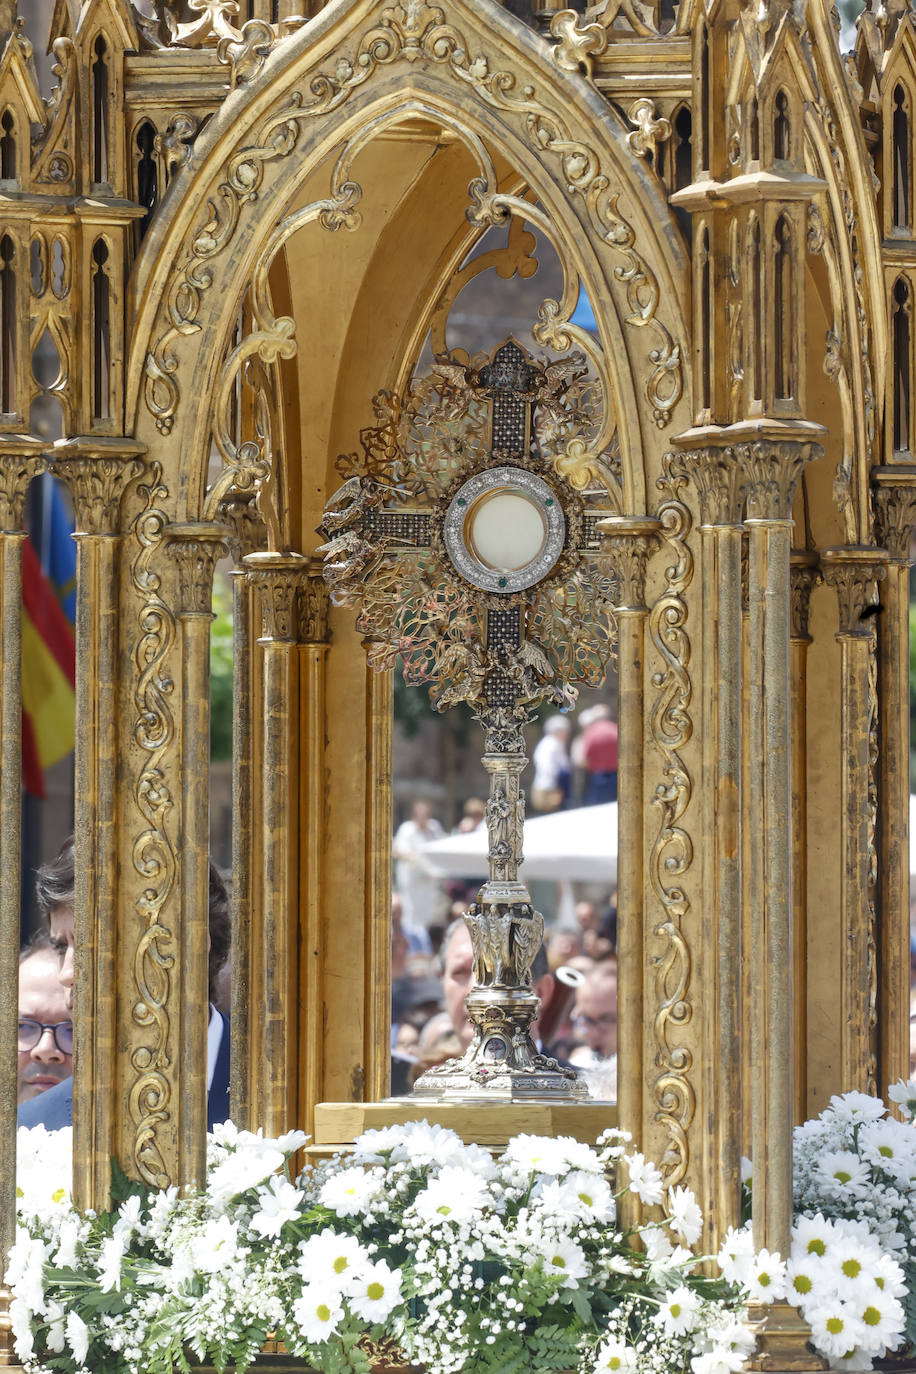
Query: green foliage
{"points": [[221, 659], [909, 1303]]}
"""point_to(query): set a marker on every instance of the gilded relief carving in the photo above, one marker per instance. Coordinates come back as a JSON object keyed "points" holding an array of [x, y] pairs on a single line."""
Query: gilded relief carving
{"points": [[153, 855], [672, 849], [409, 32]]}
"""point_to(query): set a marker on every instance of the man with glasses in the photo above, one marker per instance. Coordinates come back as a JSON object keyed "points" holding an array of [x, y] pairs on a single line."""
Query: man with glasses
{"points": [[594, 1023], [45, 1027]]}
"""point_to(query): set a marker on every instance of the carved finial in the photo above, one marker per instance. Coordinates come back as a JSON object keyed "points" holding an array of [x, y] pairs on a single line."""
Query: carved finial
{"points": [[649, 128]]}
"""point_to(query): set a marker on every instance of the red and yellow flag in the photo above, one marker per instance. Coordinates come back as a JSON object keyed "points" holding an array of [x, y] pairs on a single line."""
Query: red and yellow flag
{"points": [[48, 675]]}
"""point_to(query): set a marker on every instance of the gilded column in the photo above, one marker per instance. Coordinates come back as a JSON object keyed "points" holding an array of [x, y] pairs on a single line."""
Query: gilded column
{"points": [[196, 547], [247, 533], [20, 461], [377, 1015], [97, 472], [771, 470], [717, 475], [854, 572], [278, 578], [314, 637], [895, 516], [628, 543], [805, 574]]}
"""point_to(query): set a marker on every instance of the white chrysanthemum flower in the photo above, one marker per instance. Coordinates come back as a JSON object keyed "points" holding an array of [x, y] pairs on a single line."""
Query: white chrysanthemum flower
{"points": [[68, 1238], [767, 1279], [579, 1194], [536, 1154], [215, 1245], [350, 1192], [20, 1315], [850, 1266], [292, 1141], [854, 1359], [835, 1327], [565, 1260], [376, 1291], [278, 1203], [77, 1336], [331, 1256], [241, 1170], [455, 1195], [645, 1179], [426, 1144], [736, 1255], [111, 1253], [714, 1361], [884, 1321], [814, 1235], [684, 1215], [616, 1355], [804, 1275], [888, 1276], [888, 1143], [854, 1106], [678, 1313], [318, 1313], [657, 1245], [903, 1092], [843, 1170]]}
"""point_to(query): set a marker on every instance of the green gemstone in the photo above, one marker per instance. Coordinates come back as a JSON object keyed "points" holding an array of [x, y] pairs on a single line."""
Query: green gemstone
{"points": [[549, 501], [461, 501], [503, 581]]}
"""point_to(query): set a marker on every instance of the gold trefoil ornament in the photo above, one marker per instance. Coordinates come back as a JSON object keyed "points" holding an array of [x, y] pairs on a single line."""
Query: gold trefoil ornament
{"points": [[467, 552]]}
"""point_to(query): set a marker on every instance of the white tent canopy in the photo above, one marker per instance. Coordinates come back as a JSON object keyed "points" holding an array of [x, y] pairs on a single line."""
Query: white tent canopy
{"points": [[577, 845]]}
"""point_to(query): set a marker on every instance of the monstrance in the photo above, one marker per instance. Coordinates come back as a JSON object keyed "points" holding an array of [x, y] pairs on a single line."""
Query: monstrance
{"points": [[461, 539]]}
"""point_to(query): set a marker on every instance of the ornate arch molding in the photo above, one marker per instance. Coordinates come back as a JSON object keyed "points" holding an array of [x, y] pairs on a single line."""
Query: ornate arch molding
{"points": [[355, 67]]}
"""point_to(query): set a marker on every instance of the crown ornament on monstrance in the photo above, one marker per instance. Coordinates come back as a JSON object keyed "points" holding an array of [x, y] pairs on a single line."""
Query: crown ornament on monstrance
{"points": [[469, 554]]}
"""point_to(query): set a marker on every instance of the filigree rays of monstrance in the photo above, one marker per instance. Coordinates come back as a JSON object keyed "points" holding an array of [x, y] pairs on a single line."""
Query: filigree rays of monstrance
{"points": [[467, 553]]}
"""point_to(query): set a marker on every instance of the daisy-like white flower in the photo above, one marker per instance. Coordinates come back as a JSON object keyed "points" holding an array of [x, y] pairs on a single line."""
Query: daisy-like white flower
{"points": [[854, 1359], [111, 1253], [278, 1203], [713, 1361], [579, 1194], [842, 1169], [216, 1245], [657, 1244], [767, 1279], [645, 1179], [615, 1355], [835, 1328], [884, 1322], [888, 1276], [803, 1274], [678, 1314], [318, 1313], [850, 1266], [77, 1336], [376, 1292], [684, 1215], [349, 1192], [455, 1195], [814, 1235], [331, 1256], [565, 1260], [537, 1154], [852, 1107], [903, 1092], [888, 1143], [291, 1142], [736, 1255]]}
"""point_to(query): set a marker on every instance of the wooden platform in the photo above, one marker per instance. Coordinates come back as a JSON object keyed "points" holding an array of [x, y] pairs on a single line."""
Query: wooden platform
{"points": [[337, 1124]]}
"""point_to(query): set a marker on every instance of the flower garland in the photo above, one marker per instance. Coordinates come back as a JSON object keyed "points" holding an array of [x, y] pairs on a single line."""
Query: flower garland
{"points": [[469, 1263]]}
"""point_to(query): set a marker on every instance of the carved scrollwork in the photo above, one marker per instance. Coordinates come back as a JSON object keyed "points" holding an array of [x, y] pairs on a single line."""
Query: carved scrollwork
{"points": [[246, 531], [153, 856], [672, 849], [175, 144]]}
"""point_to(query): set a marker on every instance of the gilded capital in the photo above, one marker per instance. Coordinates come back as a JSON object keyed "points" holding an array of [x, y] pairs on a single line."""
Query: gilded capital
{"points": [[314, 600], [628, 544], [854, 571], [246, 530], [17, 469], [771, 469], [805, 574], [718, 477], [278, 578], [895, 513], [97, 483], [197, 548]]}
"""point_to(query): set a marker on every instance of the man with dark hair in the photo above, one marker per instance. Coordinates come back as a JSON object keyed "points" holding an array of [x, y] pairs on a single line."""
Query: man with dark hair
{"points": [[55, 889], [45, 1027]]}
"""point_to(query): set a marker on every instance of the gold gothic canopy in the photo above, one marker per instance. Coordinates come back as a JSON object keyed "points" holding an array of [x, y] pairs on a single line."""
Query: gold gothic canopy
{"points": [[470, 557]]}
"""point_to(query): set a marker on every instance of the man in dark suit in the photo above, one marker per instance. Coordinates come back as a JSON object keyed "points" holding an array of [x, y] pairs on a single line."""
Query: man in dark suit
{"points": [[55, 891]]}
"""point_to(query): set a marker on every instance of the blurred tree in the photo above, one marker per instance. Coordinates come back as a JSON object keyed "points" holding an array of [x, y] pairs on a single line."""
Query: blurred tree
{"points": [[221, 674]]}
